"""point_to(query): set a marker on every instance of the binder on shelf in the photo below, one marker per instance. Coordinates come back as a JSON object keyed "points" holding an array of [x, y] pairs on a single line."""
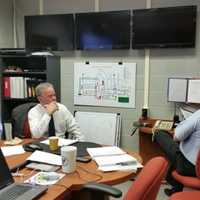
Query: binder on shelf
{"points": [[6, 86], [31, 84]]}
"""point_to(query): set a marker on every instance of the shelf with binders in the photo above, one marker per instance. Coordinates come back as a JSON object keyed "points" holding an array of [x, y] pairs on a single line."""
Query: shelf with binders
{"points": [[20, 87], [20, 76], [25, 73]]}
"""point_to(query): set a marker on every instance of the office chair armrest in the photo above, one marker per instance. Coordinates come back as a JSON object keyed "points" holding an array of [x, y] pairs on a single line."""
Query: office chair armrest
{"points": [[106, 189]]}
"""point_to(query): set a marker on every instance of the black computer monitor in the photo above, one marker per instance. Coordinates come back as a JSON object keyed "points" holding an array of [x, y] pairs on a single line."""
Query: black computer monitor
{"points": [[49, 32], [164, 27], [103, 30]]}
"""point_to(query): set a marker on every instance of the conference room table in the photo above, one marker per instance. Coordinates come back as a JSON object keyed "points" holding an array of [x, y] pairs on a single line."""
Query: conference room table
{"points": [[85, 172]]}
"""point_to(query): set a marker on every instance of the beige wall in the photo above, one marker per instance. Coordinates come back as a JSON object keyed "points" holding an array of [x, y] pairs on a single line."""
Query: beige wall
{"points": [[6, 30]]}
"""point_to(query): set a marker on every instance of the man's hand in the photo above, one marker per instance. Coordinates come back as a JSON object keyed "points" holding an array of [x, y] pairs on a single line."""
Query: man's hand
{"points": [[51, 108]]}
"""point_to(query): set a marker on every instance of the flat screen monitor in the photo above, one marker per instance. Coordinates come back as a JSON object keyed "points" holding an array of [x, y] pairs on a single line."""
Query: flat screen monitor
{"points": [[171, 27], [49, 32], [103, 30]]}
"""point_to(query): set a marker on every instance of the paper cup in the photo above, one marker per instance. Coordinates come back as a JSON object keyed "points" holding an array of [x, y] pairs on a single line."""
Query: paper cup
{"points": [[53, 143], [68, 154]]}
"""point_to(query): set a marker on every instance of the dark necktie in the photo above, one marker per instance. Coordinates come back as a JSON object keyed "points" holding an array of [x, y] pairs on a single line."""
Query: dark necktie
{"points": [[51, 127]]}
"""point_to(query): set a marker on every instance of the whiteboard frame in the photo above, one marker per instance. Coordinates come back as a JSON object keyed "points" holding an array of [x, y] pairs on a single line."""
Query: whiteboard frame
{"points": [[193, 94], [176, 91], [99, 127], [117, 78]]}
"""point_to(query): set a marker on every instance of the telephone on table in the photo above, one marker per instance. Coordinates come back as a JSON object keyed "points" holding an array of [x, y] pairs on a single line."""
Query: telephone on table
{"points": [[163, 125]]}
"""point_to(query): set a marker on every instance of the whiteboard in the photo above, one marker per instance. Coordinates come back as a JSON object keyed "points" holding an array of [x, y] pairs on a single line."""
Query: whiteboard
{"points": [[193, 91], [101, 128], [177, 89], [104, 84]]}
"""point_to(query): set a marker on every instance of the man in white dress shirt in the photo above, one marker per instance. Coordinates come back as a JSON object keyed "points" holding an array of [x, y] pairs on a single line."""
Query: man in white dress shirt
{"points": [[40, 116]]}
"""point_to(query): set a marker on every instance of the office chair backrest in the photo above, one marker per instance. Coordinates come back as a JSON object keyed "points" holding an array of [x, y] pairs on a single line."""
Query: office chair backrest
{"points": [[20, 126], [148, 182], [190, 181]]}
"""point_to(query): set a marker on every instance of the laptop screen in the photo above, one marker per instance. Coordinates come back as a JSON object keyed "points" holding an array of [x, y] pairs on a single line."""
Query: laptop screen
{"points": [[5, 174]]}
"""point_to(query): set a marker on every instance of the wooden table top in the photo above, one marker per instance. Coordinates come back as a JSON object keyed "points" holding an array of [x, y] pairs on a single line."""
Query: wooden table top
{"points": [[85, 172]]}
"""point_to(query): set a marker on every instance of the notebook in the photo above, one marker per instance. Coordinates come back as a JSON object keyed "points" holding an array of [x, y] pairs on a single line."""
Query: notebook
{"points": [[16, 191]]}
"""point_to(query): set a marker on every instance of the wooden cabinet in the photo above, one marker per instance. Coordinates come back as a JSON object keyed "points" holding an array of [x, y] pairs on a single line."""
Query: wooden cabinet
{"points": [[147, 148], [20, 75]]}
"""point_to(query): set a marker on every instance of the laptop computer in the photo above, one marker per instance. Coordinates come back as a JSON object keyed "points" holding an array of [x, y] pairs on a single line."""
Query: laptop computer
{"points": [[16, 191]]}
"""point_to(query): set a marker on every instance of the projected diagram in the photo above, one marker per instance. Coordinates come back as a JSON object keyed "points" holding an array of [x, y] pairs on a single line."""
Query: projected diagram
{"points": [[105, 84]]}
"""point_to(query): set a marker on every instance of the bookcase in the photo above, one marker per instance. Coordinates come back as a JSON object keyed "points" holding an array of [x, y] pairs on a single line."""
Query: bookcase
{"points": [[19, 76]]}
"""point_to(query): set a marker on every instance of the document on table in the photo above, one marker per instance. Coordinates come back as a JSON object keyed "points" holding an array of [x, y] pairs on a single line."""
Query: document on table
{"points": [[62, 142], [12, 150], [45, 157], [113, 159], [105, 151], [45, 178], [121, 167]]}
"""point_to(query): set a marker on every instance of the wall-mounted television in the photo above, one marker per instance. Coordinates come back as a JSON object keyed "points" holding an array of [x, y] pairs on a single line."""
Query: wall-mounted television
{"points": [[49, 32], [103, 30], [164, 27]]}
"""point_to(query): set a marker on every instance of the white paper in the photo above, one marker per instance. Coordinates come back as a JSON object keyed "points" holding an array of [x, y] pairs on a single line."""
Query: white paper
{"points": [[12, 150], [42, 53], [116, 159], [62, 142], [113, 159], [117, 167], [45, 157], [105, 151]]}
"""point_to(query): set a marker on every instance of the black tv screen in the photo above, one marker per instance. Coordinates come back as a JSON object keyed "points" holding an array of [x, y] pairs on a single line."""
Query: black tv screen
{"points": [[164, 27], [103, 30], [49, 32]]}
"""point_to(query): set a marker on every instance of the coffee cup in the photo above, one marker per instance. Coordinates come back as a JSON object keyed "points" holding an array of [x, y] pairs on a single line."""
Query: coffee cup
{"points": [[53, 143], [68, 154]]}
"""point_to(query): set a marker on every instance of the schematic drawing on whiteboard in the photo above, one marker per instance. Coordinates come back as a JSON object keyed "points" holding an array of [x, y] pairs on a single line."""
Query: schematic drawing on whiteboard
{"points": [[105, 84]]}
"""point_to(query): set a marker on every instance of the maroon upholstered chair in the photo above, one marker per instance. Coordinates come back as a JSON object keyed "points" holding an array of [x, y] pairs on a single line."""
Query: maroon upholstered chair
{"points": [[186, 195], [19, 117], [145, 187], [187, 181], [148, 182]]}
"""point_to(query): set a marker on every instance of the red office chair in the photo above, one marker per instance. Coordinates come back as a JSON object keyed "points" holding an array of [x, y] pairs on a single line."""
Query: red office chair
{"points": [[185, 195], [145, 187], [187, 181]]}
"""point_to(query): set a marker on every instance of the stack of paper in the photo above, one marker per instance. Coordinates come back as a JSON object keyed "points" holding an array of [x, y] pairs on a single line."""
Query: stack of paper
{"points": [[113, 158], [61, 142], [45, 157], [12, 150]]}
